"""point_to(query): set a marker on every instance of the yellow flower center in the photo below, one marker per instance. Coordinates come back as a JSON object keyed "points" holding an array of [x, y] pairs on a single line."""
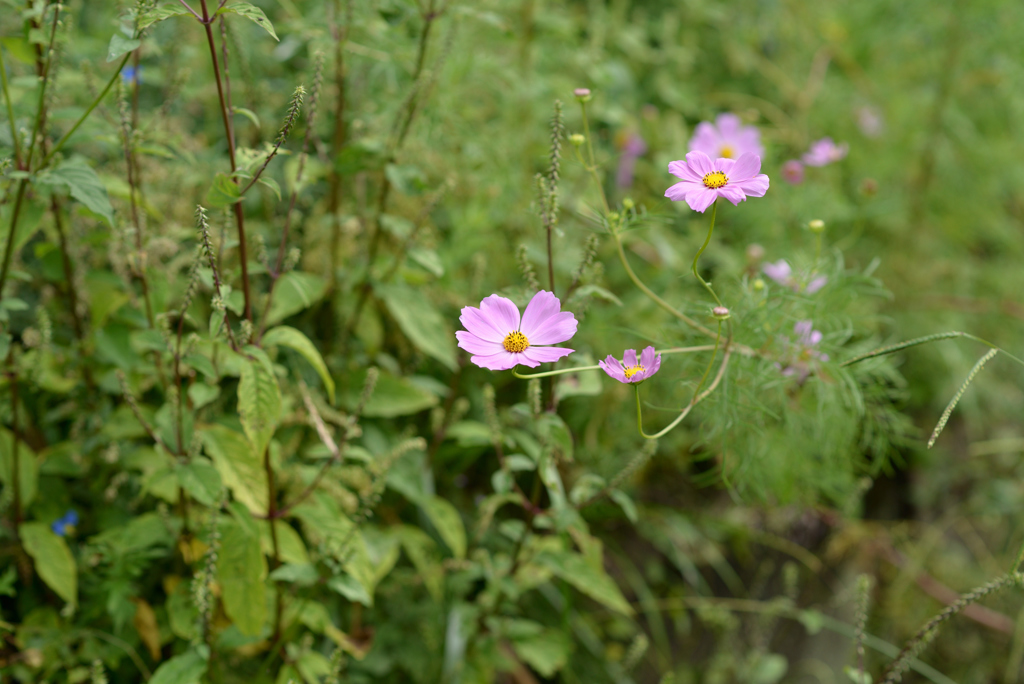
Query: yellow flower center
{"points": [[715, 180], [515, 342], [727, 151], [633, 370]]}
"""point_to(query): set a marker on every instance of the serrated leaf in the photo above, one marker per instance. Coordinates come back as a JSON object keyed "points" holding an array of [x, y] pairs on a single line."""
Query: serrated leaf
{"points": [[294, 292], [223, 192], [52, 559], [120, 45], [252, 13], [239, 466], [448, 523], [259, 398], [241, 569], [421, 322], [588, 579], [186, 668], [546, 652], [284, 336], [158, 14], [201, 480], [83, 183]]}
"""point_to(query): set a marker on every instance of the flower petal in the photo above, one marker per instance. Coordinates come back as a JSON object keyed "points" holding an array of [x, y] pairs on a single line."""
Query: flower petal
{"points": [[679, 191], [728, 124], [500, 361], [754, 187], [747, 166], [501, 312], [779, 271], [654, 367], [700, 201], [647, 357], [558, 328], [816, 284], [629, 358], [480, 325], [541, 355], [543, 306], [681, 169], [613, 368], [475, 345], [700, 162], [733, 193]]}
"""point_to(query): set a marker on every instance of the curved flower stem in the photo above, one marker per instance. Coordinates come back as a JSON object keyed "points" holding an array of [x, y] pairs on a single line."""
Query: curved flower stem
{"points": [[697, 395], [711, 229], [592, 166], [922, 340], [650, 293], [563, 371]]}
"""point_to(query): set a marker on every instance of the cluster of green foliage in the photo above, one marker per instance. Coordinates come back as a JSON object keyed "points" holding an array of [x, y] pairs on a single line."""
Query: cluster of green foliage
{"points": [[238, 442]]}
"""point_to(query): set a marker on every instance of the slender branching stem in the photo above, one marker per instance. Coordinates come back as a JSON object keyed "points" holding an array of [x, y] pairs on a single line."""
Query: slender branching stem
{"points": [[339, 34], [711, 229], [192, 11], [10, 113], [243, 255], [12, 378]]}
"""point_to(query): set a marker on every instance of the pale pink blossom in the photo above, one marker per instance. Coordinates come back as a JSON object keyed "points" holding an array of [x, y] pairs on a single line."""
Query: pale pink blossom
{"points": [[704, 180], [499, 339], [793, 172], [727, 137], [782, 273], [824, 152], [802, 357], [629, 370]]}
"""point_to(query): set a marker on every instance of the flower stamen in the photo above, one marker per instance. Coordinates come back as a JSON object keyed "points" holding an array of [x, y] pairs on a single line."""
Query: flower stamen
{"points": [[515, 342], [727, 152], [715, 180], [633, 370]]}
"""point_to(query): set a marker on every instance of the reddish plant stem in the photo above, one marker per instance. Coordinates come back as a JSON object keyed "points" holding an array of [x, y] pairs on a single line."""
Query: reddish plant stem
{"points": [[243, 255]]}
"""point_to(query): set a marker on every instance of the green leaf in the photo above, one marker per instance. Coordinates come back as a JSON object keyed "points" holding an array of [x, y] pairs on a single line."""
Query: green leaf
{"points": [[587, 578], [284, 336], [547, 652], [241, 569], [224, 192], [120, 45], [625, 503], [201, 479], [83, 183], [252, 13], [158, 14], [28, 468], [424, 554], [421, 322], [295, 291], [186, 668], [29, 220], [556, 433], [53, 559], [249, 114], [259, 398], [392, 397], [445, 518], [239, 466], [428, 259], [20, 49]]}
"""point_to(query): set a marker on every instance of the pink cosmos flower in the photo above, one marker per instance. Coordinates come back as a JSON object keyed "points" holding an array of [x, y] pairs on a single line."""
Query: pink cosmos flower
{"points": [[793, 172], [727, 137], [802, 356], [628, 370], [499, 339], [824, 152], [704, 181], [782, 273]]}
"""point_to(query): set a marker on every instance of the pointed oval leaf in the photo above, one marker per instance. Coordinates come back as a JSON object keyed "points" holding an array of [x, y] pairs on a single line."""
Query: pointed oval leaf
{"points": [[259, 398], [254, 14], [52, 558], [285, 336]]}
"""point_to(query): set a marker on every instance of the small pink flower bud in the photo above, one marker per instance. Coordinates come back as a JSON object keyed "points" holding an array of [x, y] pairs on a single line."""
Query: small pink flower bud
{"points": [[720, 312], [581, 92]]}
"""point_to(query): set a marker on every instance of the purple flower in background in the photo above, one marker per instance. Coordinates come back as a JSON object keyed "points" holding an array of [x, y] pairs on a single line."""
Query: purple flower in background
{"points": [[629, 370], [802, 356], [499, 339], [635, 147], [782, 273], [704, 181], [869, 121], [130, 74], [727, 137], [60, 525], [824, 152], [793, 172]]}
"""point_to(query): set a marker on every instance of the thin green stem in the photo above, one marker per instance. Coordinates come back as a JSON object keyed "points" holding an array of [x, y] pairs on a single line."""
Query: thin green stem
{"points": [[9, 247], [882, 351], [650, 293], [10, 111], [707, 370], [548, 374], [85, 115], [817, 250], [592, 166], [711, 229]]}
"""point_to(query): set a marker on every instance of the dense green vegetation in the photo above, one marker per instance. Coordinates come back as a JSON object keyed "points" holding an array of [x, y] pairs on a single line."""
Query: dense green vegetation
{"points": [[240, 443]]}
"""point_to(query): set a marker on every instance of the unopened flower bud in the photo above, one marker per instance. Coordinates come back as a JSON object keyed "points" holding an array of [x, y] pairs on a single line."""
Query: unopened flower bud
{"points": [[613, 216], [582, 94], [817, 226], [758, 285], [720, 312], [577, 139], [628, 203]]}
